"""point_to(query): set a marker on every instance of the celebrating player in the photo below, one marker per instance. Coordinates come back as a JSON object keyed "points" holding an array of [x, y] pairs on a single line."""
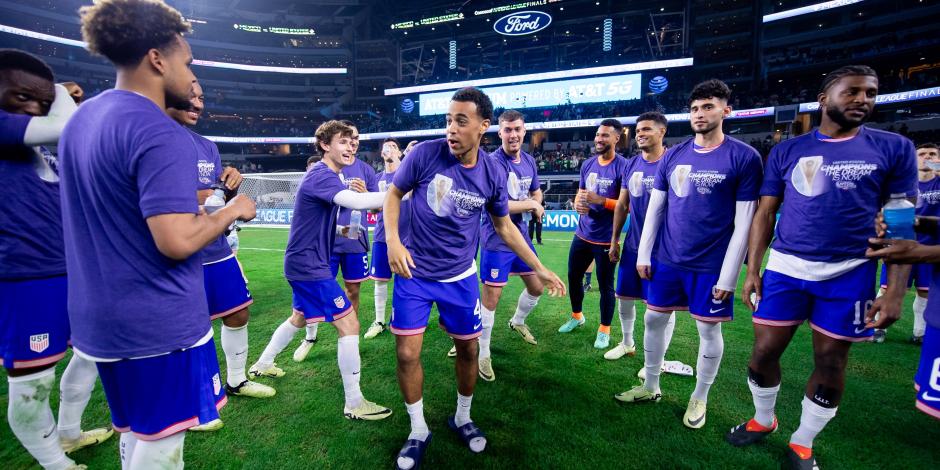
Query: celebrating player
{"points": [[34, 324], [317, 296], [599, 190], [707, 188], [137, 302], [828, 185], [452, 181]]}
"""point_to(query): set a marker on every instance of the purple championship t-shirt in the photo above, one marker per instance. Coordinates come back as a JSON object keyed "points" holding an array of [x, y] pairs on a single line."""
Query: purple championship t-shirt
{"points": [[383, 181], [702, 187], [597, 225], [210, 170], [522, 179], [313, 228], [448, 200], [638, 179], [832, 190], [30, 216], [361, 170], [928, 204], [123, 160]]}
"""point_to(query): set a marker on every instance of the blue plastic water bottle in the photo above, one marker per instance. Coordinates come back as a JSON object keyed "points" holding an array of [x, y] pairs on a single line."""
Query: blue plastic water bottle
{"points": [[899, 216], [355, 224]]}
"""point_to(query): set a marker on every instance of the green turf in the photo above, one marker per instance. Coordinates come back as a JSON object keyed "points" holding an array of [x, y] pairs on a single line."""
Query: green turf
{"points": [[551, 405]]}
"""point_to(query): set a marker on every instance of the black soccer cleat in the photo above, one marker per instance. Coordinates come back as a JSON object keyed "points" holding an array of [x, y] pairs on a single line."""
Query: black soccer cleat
{"points": [[749, 433]]}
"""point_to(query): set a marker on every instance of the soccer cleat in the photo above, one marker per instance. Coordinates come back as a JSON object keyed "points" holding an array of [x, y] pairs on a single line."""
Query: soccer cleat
{"points": [[303, 349], [452, 352], [271, 371], [85, 439], [918, 340], [251, 389], [486, 369], [523, 331], [750, 432], [695, 414], [801, 458], [367, 411], [571, 324], [586, 287], [374, 329], [879, 336], [619, 351], [213, 425], [602, 341], [77, 466], [638, 394]]}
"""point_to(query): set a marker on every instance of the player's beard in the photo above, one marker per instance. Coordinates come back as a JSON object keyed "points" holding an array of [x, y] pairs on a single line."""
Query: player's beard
{"points": [[708, 128], [601, 149], [175, 101], [838, 116]]}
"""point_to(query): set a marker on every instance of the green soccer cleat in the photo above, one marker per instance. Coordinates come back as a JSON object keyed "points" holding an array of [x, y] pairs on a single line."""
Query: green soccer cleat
{"points": [[638, 394], [213, 425], [694, 417], [570, 325], [86, 439], [251, 389], [602, 341], [271, 371], [523, 331], [367, 411], [486, 369], [452, 352]]}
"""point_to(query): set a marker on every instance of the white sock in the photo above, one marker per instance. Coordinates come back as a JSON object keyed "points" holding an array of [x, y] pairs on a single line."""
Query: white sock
{"points": [[627, 309], [75, 388], [920, 304], [670, 327], [31, 418], [235, 347], [462, 417], [312, 331], [765, 399], [279, 340], [381, 298], [524, 307], [347, 356], [165, 453], [812, 421], [654, 347], [489, 318], [711, 346], [127, 446], [419, 429]]}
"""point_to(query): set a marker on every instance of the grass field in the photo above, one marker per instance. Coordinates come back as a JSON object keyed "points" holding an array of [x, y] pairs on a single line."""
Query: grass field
{"points": [[551, 406]]}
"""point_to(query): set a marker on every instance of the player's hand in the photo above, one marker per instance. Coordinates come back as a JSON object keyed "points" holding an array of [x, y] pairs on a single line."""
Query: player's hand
{"points": [[593, 198], [896, 251], [244, 207], [410, 146], [399, 259], [580, 203], [75, 91], [753, 285], [343, 230], [881, 228], [886, 308], [231, 178], [537, 210], [554, 284], [614, 252], [645, 271], [720, 294], [357, 185]]}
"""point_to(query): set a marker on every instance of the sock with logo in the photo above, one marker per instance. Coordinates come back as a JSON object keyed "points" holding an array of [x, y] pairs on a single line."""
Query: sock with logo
{"points": [[524, 307], [75, 389], [381, 298], [312, 331], [347, 356], [920, 305], [279, 340], [31, 420], [627, 311], [711, 347], [235, 347], [812, 421], [654, 347], [488, 320]]}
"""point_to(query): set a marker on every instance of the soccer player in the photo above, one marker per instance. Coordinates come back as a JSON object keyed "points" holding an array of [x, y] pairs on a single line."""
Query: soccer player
{"points": [[137, 303], [828, 186], [452, 181], [928, 204], [706, 190], [317, 296], [34, 324], [599, 190], [226, 291], [379, 270], [497, 261], [636, 185]]}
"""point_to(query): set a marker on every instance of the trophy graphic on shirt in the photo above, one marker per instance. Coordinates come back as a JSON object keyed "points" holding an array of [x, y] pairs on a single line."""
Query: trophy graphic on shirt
{"points": [[513, 186], [635, 185], [804, 176], [437, 195], [679, 180]]}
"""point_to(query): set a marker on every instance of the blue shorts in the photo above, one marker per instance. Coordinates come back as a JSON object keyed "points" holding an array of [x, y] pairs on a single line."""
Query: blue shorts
{"points": [[629, 284], [34, 322], [835, 307], [497, 266], [380, 270], [322, 300], [458, 303], [927, 380], [355, 266], [225, 288], [920, 276], [159, 396], [674, 288]]}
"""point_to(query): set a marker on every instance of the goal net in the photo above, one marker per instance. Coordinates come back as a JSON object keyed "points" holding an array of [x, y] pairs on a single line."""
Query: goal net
{"points": [[274, 195]]}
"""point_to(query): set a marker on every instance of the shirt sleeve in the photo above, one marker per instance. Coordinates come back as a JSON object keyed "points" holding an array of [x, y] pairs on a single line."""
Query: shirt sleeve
{"points": [[535, 184], [774, 183], [752, 173], [322, 184], [498, 202], [903, 175], [661, 180], [166, 172], [406, 177], [13, 128]]}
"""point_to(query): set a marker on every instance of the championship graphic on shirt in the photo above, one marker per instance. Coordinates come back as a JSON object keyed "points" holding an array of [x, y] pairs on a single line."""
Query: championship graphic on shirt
{"points": [[518, 188], [383, 186], [46, 165], [206, 172], [444, 200], [684, 180], [812, 174], [640, 183], [597, 183]]}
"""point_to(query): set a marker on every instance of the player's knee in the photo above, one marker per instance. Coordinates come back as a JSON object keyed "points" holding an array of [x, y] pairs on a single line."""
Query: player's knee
{"points": [[831, 364], [764, 355], [408, 356], [297, 320], [237, 319], [467, 350], [535, 290]]}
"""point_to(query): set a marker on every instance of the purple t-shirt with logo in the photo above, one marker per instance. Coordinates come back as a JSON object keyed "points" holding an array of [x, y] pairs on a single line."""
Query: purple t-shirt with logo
{"points": [[702, 187], [597, 225], [522, 179], [638, 179], [832, 190], [313, 228], [448, 200], [928, 204], [123, 160], [361, 170], [30, 216], [383, 181], [210, 170]]}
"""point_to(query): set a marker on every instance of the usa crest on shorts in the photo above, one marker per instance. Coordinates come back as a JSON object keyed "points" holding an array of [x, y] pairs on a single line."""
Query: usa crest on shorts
{"points": [[39, 343], [339, 302], [494, 273]]}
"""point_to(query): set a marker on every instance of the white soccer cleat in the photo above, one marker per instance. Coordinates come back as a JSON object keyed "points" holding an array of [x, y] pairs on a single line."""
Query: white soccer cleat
{"points": [[251, 389], [86, 439], [486, 369], [452, 352], [523, 331], [303, 349], [213, 425], [271, 371], [638, 394], [374, 329], [367, 411], [695, 414], [619, 351]]}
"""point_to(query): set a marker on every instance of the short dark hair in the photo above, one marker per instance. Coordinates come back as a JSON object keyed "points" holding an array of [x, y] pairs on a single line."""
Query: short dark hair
{"points": [[655, 116], [615, 123], [928, 145], [329, 129], [389, 139], [477, 97], [712, 88], [511, 115], [124, 30], [15, 59], [847, 71], [349, 123], [314, 159]]}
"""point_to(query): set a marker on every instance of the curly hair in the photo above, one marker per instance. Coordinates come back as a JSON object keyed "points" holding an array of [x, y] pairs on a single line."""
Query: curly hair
{"points": [[124, 30], [713, 88], [329, 129]]}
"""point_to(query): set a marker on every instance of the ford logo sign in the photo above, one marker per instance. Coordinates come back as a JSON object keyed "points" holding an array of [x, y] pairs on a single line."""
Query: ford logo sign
{"points": [[522, 23]]}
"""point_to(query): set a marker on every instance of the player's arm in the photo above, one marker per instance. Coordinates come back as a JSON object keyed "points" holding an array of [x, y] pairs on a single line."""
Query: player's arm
{"points": [[45, 130], [513, 238], [232, 179], [179, 236], [399, 260], [593, 198], [620, 218], [762, 230], [654, 218], [737, 247], [359, 201]]}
